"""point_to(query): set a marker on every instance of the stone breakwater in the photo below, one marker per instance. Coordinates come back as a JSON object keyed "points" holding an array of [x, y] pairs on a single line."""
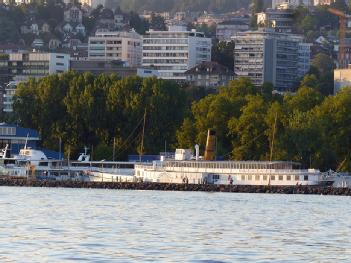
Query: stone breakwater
{"points": [[309, 190]]}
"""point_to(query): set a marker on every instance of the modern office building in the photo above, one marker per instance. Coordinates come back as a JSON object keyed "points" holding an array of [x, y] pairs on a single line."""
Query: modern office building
{"points": [[23, 66], [19, 67], [267, 56], [175, 51], [98, 67], [123, 46]]}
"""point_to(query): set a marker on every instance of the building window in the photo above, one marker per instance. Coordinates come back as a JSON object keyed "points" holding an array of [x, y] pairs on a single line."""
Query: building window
{"points": [[243, 178], [288, 177], [280, 178], [297, 177], [272, 177], [305, 178], [8, 131]]}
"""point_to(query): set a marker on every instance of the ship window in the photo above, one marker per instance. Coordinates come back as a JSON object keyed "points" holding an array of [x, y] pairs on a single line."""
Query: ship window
{"points": [[257, 177], [305, 178], [265, 178], [272, 177], [297, 178], [288, 177], [249, 177], [243, 178], [280, 178]]}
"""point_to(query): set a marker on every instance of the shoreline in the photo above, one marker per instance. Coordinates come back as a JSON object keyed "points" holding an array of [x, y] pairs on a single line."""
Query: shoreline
{"points": [[306, 190]]}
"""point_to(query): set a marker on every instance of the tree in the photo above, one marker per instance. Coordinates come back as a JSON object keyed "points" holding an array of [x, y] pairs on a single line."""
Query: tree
{"points": [[223, 53], [324, 63], [248, 131], [157, 23], [140, 25]]}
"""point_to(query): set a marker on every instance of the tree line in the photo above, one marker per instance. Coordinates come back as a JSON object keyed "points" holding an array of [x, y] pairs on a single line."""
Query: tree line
{"points": [[101, 111], [182, 5], [252, 123]]}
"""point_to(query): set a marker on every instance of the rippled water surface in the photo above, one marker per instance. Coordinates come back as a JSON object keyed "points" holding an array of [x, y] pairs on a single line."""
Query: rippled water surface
{"points": [[58, 225]]}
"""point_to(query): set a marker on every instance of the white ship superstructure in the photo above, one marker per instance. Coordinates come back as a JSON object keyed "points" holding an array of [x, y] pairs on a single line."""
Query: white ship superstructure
{"points": [[186, 168], [228, 172]]}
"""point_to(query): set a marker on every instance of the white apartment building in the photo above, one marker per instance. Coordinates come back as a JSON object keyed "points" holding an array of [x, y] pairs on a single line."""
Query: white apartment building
{"points": [[175, 51], [227, 29], [291, 3], [324, 2], [267, 56], [123, 46], [23, 66]]}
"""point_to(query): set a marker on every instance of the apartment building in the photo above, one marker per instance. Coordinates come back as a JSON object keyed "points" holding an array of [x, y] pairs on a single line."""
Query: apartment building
{"points": [[291, 3], [227, 29], [281, 20], [267, 56], [175, 51], [23, 66], [210, 75], [118, 45]]}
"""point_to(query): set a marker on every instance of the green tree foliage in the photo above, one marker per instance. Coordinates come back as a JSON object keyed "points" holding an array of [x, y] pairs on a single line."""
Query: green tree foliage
{"points": [[10, 20], [321, 75], [157, 23], [223, 53], [82, 109], [140, 25], [183, 5], [307, 127]]}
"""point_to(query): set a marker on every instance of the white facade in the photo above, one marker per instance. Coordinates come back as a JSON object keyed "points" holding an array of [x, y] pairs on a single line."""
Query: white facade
{"points": [[175, 51], [267, 56], [291, 3], [32, 65], [323, 2], [124, 46], [225, 30]]}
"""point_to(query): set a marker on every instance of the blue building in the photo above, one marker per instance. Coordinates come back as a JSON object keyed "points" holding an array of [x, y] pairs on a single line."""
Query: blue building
{"points": [[16, 138]]}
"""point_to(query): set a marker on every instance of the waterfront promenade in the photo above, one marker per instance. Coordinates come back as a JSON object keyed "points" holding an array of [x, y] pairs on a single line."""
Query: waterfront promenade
{"points": [[308, 190]]}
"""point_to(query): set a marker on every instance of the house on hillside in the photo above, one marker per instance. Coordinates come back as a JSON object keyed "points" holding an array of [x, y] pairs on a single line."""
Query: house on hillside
{"points": [[209, 74]]}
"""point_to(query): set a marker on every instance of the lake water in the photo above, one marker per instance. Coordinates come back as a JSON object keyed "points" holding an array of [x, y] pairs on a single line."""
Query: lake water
{"points": [[63, 225]]}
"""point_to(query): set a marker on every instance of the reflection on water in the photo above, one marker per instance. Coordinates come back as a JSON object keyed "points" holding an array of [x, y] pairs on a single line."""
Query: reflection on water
{"points": [[55, 225]]}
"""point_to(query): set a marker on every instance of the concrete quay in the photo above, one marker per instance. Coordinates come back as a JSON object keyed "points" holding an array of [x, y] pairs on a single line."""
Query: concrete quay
{"points": [[308, 190]]}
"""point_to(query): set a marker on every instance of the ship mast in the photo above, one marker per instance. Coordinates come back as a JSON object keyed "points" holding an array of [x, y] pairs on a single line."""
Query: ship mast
{"points": [[273, 137], [142, 138]]}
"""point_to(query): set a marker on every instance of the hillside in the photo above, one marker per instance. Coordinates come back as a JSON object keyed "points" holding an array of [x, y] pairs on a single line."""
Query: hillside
{"points": [[180, 5]]}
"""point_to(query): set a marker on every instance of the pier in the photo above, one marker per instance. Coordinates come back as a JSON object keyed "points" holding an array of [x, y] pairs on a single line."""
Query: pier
{"points": [[307, 190]]}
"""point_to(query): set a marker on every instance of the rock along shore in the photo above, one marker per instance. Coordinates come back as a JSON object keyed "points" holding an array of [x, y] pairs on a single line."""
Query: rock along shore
{"points": [[309, 190]]}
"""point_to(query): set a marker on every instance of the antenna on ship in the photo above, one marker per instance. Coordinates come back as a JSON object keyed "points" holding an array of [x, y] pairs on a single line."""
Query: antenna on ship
{"points": [[25, 145]]}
